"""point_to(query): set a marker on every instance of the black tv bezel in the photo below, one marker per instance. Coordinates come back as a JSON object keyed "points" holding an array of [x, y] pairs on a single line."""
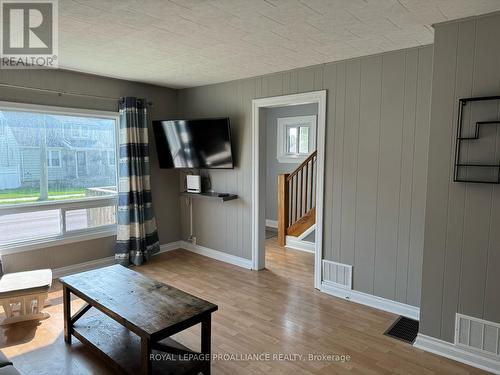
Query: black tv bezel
{"points": [[199, 119]]}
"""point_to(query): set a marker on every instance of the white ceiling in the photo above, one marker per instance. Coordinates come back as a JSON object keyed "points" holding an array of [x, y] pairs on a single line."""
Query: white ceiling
{"points": [[184, 43]]}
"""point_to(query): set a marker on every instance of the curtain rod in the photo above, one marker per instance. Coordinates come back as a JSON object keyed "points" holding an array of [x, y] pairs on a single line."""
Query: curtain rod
{"points": [[61, 93]]}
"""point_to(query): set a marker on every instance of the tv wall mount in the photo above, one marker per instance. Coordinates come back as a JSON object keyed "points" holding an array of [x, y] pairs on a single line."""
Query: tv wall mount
{"points": [[494, 166]]}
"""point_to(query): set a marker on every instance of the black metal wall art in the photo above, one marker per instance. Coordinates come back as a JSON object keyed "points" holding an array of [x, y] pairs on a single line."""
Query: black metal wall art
{"points": [[469, 171]]}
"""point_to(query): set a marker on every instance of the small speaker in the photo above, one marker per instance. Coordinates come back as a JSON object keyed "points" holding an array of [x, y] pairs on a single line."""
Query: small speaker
{"points": [[193, 183]]}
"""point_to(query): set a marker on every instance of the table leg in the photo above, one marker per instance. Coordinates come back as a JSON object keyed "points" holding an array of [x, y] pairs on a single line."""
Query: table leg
{"points": [[206, 341], [68, 326], [146, 364]]}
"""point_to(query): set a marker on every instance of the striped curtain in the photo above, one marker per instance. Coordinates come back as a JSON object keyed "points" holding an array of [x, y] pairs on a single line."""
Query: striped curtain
{"points": [[137, 236]]}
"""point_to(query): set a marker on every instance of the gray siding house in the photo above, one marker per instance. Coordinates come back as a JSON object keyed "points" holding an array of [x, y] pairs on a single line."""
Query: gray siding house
{"points": [[79, 152]]}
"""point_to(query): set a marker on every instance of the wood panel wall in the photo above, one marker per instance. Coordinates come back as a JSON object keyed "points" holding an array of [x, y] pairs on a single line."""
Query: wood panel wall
{"points": [[376, 165], [461, 270]]}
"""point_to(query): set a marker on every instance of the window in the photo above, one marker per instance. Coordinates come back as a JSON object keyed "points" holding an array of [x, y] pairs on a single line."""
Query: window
{"points": [[296, 138], [81, 164], [54, 158], [56, 187], [111, 158], [76, 131]]}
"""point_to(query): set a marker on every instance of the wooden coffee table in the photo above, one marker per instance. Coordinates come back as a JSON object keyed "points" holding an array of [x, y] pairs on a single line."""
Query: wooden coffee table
{"points": [[128, 318]]}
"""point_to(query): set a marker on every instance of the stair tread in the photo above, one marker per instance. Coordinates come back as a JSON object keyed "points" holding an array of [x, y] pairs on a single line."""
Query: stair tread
{"points": [[303, 224]]}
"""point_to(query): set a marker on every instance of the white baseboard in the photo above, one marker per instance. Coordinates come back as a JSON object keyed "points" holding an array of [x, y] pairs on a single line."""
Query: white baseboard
{"points": [[108, 261], [307, 232], [449, 350], [271, 223], [296, 244], [218, 255], [371, 300], [171, 246], [103, 262], [81, 267]]}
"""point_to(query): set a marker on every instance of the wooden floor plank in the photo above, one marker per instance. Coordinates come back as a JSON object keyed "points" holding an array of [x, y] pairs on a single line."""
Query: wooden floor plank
{"points": [[274, 311]]}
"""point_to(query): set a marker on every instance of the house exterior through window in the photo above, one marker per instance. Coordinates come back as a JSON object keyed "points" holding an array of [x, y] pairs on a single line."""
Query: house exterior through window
{"points": [[56, 179]]}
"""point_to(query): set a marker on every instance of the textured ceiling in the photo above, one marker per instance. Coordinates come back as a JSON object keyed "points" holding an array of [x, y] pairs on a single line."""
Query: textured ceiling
{"points": [[184, 43]]}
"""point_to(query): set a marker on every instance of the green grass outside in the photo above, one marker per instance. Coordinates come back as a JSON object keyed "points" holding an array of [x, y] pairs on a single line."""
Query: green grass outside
{"points": [[11, 196]]}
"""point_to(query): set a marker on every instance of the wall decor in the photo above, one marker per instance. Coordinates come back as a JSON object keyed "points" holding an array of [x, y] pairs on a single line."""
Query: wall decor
{"points": [[469, 170]]}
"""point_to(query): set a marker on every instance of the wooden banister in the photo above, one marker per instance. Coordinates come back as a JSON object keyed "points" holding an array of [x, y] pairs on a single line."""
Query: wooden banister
{"points": [[296, 198], [301, 166]]}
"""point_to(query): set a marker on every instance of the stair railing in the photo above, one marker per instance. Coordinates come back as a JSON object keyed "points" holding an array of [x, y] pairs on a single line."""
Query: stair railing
{"points": [[296, 195]]}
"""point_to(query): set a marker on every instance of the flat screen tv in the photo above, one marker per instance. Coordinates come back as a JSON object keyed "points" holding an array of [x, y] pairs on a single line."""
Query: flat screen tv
{"points": [[204, 143]]}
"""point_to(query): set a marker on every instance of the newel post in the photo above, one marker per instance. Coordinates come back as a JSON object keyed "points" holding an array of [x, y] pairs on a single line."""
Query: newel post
{"points": [[282, 208]]}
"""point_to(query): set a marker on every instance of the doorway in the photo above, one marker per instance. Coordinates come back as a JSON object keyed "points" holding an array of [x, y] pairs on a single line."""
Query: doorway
{"points": [[259, 170]]}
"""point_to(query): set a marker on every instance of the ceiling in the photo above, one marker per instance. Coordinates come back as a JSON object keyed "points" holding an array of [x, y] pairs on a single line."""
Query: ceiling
{"points": [[185, 43]]}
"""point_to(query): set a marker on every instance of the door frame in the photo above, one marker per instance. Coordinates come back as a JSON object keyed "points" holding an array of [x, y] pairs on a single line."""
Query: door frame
{"points": [[258, 209]]}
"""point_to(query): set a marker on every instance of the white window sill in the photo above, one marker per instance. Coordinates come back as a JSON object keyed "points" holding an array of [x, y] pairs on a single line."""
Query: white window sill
{"points": [[42, 243], [292, 159]]}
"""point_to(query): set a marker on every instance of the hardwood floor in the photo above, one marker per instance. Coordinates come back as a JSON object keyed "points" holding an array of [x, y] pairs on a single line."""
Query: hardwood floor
{"points": [[271, 311]]}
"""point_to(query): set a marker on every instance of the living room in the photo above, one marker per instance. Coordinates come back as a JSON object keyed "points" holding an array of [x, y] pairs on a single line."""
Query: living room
{"points": [[164, 166]]}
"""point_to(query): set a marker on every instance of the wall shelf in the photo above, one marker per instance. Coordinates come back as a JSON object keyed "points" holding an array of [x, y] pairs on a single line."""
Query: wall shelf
{"points": [[210, 196], [461, 169]]}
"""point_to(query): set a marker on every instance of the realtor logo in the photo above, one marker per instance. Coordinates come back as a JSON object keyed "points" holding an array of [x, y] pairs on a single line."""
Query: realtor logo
{"points": [[29, 34]]}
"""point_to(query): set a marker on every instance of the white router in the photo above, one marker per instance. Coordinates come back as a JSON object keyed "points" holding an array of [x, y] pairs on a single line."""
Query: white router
{"points": [[193, 183]]}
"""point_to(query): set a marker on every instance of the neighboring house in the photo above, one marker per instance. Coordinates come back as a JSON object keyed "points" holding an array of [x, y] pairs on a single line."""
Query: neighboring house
{"points": [[10, 157], [79, 151]]}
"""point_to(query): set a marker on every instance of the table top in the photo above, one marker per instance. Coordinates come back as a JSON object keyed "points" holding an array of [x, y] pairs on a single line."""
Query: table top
{"points": [[145, 306]]}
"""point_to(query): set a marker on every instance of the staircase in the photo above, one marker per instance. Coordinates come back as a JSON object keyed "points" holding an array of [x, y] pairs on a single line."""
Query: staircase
{"points": [[297, 200]]}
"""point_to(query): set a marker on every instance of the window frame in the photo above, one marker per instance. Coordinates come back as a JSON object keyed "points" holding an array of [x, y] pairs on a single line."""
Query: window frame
{"points": [[49, 158], [285, 123], [63, 205]]}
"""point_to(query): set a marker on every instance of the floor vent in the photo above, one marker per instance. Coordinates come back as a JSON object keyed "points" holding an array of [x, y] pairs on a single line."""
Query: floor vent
{"points": [[404, 329], [337, 273], [477, 334]]}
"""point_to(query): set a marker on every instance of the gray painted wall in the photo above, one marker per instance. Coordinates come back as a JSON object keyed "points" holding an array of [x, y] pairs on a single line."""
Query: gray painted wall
{"points": [[273, 166], [461, 268], [163, 182], [376, 164]]}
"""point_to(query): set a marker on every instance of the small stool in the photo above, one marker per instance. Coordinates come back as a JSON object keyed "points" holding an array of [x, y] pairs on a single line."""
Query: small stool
{"points": [[23, 295]]}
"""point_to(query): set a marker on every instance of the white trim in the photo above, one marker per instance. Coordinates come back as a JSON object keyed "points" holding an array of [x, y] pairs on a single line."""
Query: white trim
{"points": [[258, 262], [81, 267], [449, 350], [271, 223], [68, 111], [282, 137], [184, 245], [296, 244], [319, 97], [42, 243], [171, 246], [103, 262], [307, 232], [380, 303], [216, 254], [68, 204], [320, 163]]}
